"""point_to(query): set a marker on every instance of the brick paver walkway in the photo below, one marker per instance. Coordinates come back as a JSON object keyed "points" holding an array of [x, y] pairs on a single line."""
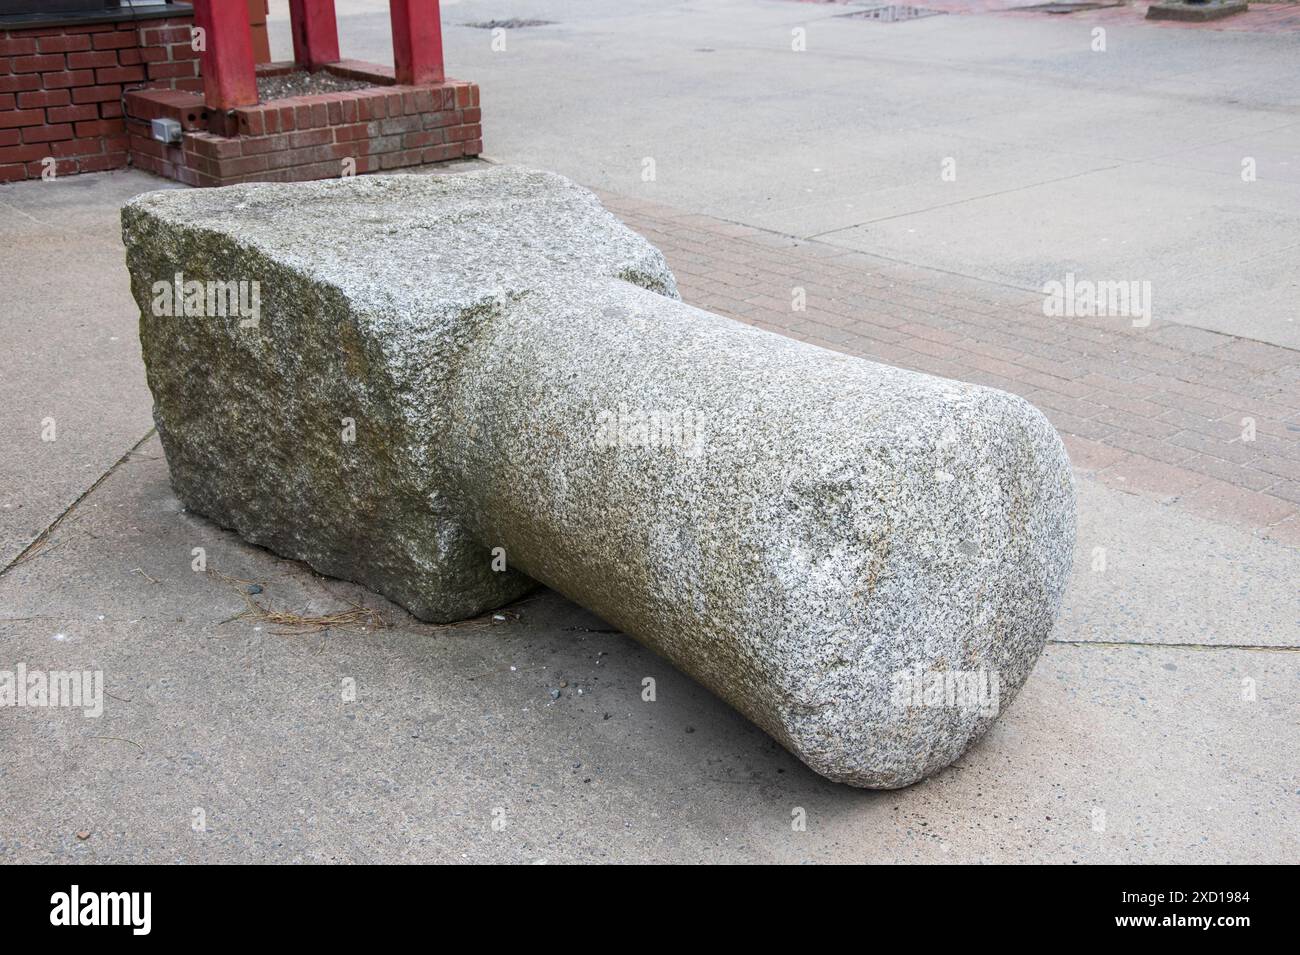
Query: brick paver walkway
{"points": [[1260, 18], [1163, 410]]}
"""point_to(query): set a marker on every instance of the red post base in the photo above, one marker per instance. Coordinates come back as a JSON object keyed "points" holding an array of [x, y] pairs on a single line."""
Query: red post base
{"points": [[229, 70], [417, 41], [315, 33]]}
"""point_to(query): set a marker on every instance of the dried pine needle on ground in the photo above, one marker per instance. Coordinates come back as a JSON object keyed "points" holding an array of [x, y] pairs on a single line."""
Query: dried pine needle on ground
{"points": [[355, 619]]}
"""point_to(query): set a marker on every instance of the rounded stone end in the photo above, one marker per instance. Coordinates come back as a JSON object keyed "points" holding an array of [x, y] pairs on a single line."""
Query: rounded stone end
{"points": [[920, 587]]}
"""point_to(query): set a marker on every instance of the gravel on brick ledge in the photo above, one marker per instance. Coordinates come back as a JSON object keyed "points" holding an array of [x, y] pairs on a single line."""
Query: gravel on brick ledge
{"points": [[302, 83]]}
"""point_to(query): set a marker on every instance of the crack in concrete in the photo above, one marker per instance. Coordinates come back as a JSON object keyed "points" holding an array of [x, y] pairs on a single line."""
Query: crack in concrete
{"points": [[1284, 648], [29, 551], [958, 202]]}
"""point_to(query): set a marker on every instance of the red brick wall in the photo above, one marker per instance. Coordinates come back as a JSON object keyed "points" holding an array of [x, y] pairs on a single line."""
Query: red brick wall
{"points": [[61, 90]]}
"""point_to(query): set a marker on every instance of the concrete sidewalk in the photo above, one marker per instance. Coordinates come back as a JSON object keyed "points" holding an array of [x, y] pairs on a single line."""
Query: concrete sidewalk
{"points": [[1118, 753]]}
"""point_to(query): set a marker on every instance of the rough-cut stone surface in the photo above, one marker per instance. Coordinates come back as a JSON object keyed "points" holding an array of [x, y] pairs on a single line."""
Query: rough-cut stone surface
{"points": [[821, 525]]}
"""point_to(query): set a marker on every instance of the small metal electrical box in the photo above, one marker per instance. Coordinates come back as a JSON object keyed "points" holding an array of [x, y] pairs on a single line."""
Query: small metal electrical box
{"points": [[165, 130]]}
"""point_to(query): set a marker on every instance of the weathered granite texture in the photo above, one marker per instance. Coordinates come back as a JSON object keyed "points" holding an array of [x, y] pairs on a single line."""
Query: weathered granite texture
{"points": [[793, 527]]}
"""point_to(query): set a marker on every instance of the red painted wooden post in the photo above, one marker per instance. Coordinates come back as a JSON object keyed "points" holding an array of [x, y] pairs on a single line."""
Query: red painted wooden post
{"points": [[417, 41], [315, 33], [229, 71]]}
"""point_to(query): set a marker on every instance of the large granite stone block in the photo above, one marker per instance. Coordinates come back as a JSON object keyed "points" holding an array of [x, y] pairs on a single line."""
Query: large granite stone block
{"points": [[865, 561]]}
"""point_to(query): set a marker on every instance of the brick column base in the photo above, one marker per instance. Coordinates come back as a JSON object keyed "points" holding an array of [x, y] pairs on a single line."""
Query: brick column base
{"points": [[321, 136]]}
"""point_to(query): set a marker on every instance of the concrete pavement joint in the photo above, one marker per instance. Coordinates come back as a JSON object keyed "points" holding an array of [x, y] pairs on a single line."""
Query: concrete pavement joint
{"points": [[989, 195], [776, 233], [1173, 646], [44, 535], [113, 244], [21, 212]]}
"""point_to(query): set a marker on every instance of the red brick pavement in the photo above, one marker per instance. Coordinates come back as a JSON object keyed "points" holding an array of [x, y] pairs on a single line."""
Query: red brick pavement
{"points": [[1260, 18], [1160, 410]]}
